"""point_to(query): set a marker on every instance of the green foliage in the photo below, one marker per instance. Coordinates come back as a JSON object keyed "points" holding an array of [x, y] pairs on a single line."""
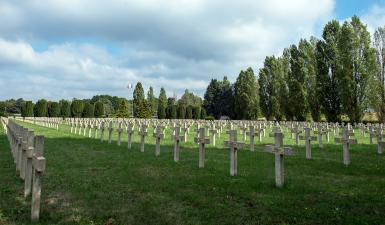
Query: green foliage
{"points": [[246, 96], [189, 114], [203, 113], [377, 84], [152, 101], [3, 109], [99, 109], [77, 108], [13, 106], [270, 81], [326, 73], [356, 65], [65, 108], [169, 109], [219, 98], [189, 98], [41, 108], [123, 110], [173, 112], [307, 53], [181, 111], [111, 103], [27, 109], [196, 112], [162, 104], [142, 108], [89, 110], [297, 98], [53, 109]]}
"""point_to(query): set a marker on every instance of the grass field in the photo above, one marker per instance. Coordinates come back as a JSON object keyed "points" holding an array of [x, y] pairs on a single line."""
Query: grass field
{"points": [[89, 182]]}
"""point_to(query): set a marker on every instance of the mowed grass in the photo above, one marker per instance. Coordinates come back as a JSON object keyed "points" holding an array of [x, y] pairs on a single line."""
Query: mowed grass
{"points": [[89, 182]]}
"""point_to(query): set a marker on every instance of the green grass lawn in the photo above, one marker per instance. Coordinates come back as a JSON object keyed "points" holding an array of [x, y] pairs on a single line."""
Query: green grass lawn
{"points": [[89, 182]]}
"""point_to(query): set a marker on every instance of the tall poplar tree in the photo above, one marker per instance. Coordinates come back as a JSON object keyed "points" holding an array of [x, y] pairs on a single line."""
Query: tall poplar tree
{"points": [[162, 104], [378, 81], [246, 100], [296, 82], [328, 84]]}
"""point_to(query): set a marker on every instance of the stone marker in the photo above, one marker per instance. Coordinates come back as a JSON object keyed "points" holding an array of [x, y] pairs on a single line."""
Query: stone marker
{"points": [[346, 142], [279, 151], [130, 131], [307, 138], [110, 129], [28, 166], [213, 132], [119, 130], [143, 134], [202, 141], [251, 134], [177, 139], [296, 131], [159, 135], [371, 134], [380, 143], [234, 146], [102, 131], [38, 169]]}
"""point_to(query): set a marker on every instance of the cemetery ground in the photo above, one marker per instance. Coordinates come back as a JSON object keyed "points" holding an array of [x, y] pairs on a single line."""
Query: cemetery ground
{"points": [[89, 182]]}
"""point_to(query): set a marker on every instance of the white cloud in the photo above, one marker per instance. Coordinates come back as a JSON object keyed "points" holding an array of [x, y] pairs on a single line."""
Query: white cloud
{"points": [[171, 43], [375, 17]]}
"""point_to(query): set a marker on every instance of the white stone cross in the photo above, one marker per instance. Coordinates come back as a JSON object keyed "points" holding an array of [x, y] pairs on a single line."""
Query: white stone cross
{"points": [[130, 131], [38, 163], [143, 134], [202, 140], [346, 142], [119, 130], [177, 139], [307, 138], [110, 129], [279, 151], [234, 146], [102, 131], [159, 135]]}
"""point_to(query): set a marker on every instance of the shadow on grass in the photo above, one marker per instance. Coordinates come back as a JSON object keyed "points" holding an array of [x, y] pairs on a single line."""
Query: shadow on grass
{"points": [[89, 182]]}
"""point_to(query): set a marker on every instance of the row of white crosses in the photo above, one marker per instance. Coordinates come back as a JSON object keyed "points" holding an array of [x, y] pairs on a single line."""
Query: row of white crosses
{"points": [[27, 151], [42, 121]]}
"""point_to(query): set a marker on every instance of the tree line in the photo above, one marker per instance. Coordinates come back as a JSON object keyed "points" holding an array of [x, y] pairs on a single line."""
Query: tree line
{"points": [[339, 76]]}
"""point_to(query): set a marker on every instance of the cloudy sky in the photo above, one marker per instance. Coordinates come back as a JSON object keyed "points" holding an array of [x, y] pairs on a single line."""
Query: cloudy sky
{"points": [[79, 48]]}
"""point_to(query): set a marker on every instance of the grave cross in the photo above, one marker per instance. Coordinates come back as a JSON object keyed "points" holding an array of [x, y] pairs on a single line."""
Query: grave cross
{"points": [[371, 134], [380, 142], [202, 141], [28, 165], [307, 138], [38, 163], [177, 139], [320, 131], [244, 131], [296, 131], [213, 133], [346, 142], [279, 151], [130, 131], [102, 131], [159, 135], [143, 134], [251, 134], [119, 130], [234, 146], [90, 127], [110, 129]]}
